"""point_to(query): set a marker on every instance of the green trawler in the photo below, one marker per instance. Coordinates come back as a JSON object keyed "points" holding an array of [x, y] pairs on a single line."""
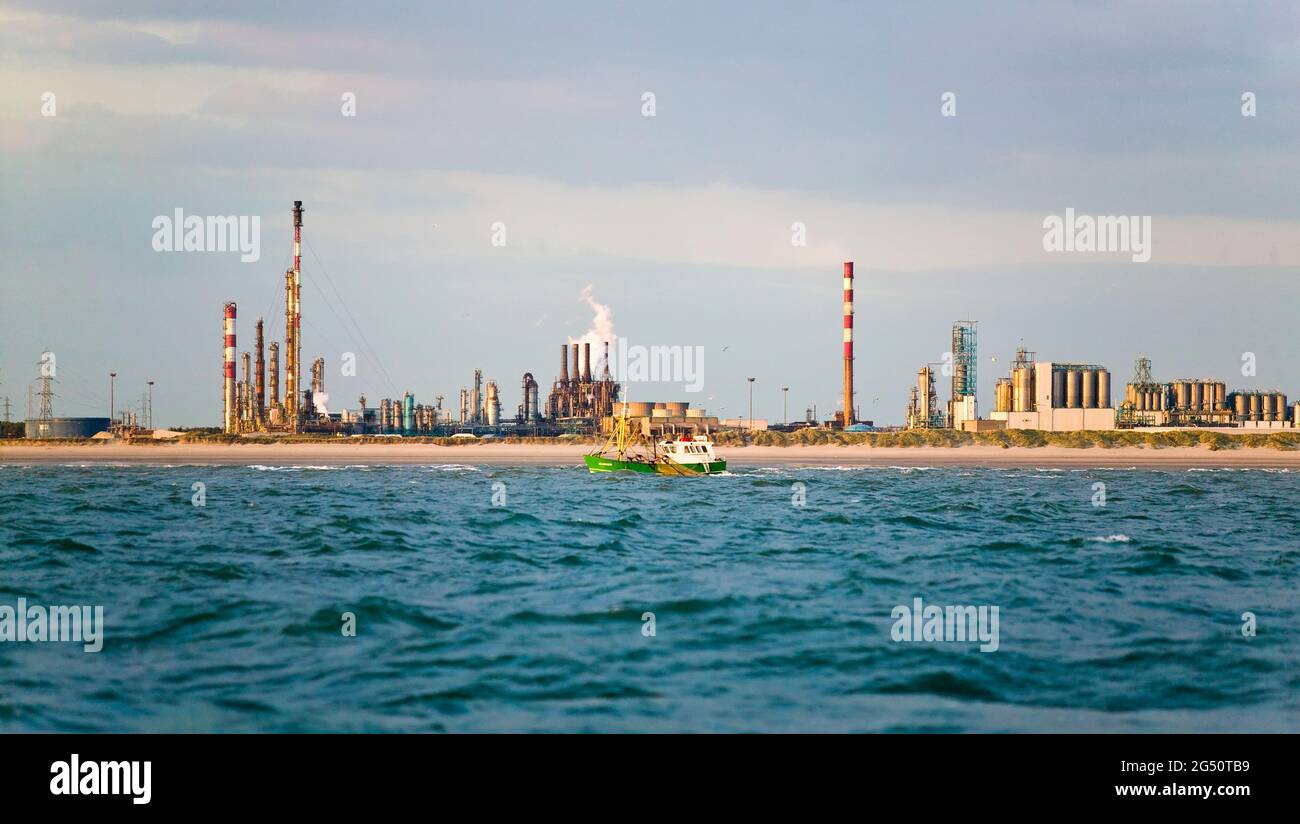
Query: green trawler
{"points": [[624, 452]]}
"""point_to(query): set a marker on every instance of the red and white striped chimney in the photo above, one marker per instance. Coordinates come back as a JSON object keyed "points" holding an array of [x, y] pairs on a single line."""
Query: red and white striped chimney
{"points": [[848, 343], [228, 410]]}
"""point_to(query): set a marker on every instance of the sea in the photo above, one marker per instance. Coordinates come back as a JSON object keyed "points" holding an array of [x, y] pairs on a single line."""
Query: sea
{"points": [[462, 598]]}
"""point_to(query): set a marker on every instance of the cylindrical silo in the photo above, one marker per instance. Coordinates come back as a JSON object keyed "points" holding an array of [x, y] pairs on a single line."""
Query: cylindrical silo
{"points": [[1089, 389], [1220, 395], [1058, 388], [1266, 406], [1295, 415], [1019, 389], [1197, 394], [1103, 389], [1240, 405], [1002, 395], [1254, 406], [1073, 389], [1279, 407]]}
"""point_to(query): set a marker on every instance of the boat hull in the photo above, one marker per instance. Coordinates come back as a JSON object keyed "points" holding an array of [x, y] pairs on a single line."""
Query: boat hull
{"points": [[599, 463]]}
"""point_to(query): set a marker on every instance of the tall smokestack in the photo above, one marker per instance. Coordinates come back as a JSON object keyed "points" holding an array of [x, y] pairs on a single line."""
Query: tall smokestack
{"points": [[586, 367], [260, 366], [228, 405], [605, 372], [848, 343], [564, 363], [275, 374], [577, 372]]}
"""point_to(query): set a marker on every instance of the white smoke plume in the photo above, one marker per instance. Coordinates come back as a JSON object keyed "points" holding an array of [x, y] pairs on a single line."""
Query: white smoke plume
{"points": [[600, 331], [318, 400]]}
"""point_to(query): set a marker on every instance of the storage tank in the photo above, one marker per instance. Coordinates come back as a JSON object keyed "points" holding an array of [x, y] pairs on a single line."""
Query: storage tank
{"points": [[1090, 389], [1240, 405], [408, 412], [1279, 407], [38, 428], [1295, 415], [1002, 395], [1103, 389], [1022, 393], [1220, 395], [1058, 388], [1254, 406], [1266, 406], [1073, 389]]}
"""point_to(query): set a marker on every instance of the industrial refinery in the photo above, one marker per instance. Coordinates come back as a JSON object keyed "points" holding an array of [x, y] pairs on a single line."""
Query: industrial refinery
{"points": [[584, 397]]}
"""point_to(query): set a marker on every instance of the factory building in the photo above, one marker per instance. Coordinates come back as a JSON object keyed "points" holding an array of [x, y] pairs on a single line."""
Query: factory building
{"points": [[1201, 402], [1054, 396], [580, 396]]}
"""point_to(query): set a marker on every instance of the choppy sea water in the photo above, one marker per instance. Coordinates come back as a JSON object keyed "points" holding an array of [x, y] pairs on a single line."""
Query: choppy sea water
{"points": [[526, 612]]}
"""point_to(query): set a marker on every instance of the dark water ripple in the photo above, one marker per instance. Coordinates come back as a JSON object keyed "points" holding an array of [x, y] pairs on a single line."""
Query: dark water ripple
{"points": [[768, 616]]}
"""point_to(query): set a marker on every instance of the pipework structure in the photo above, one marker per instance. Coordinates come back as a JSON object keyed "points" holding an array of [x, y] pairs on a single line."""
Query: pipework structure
{"points": [[293, 327], [963, 404], [577, 393]]}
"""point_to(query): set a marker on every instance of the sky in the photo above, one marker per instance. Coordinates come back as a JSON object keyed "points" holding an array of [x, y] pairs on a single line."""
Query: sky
{"points": [[926, 142]]}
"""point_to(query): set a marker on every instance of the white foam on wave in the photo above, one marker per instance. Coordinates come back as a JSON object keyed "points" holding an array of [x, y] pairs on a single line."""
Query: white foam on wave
{"points": [[1111, 539]]}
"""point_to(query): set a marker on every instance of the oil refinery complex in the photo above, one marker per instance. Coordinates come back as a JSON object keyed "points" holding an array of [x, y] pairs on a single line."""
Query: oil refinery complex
{"points": [[585, 398]]}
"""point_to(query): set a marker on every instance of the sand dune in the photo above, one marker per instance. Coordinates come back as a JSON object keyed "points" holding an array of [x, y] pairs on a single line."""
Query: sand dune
{"points": [[563, 454]]}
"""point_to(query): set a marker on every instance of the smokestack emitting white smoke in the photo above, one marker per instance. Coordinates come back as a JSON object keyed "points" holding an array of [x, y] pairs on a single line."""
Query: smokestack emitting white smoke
{"points": [[318, 400], [601, 330]]}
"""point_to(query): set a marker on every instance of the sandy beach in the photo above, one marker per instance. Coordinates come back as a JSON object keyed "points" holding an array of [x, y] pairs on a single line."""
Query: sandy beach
{"points": [[560, 454]]}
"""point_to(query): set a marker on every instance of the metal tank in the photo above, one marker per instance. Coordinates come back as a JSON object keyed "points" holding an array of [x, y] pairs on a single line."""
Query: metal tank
{"points": [[1089, 389], [1073, 388], [408, 413], [1279, 407], [1255, 406], [1240, 405], [1002, 395], [38, 428], [1103, 389], [492, 403], [1058, 388]]}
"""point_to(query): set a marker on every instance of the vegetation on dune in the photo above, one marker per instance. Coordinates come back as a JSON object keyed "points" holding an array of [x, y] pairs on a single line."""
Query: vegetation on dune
{"points": [[1007, 438], [942, 438]]}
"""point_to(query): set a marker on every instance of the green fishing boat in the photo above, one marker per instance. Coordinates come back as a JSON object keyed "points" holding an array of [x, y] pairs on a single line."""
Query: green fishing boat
{"points": [[626, 452]]}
